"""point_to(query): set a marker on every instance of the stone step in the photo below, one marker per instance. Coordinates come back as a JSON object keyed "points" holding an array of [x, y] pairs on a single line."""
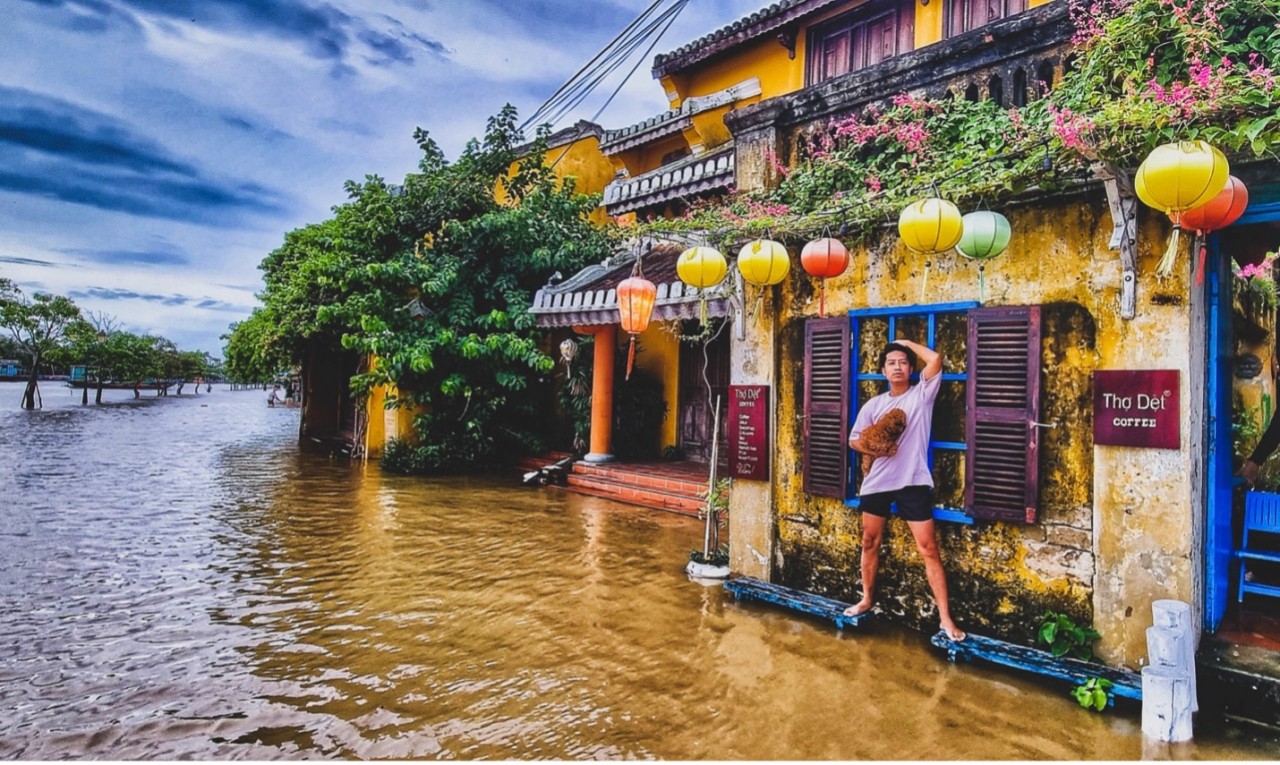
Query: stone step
{"points": [[622, 475], [634, 495]]}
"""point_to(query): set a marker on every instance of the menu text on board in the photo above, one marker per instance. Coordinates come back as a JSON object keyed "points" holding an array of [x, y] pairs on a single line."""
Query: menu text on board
{"points": [[749, 431]]}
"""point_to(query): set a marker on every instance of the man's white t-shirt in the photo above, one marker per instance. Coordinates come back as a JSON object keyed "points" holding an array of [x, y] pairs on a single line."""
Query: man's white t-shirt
{"points": [[910, 466]]}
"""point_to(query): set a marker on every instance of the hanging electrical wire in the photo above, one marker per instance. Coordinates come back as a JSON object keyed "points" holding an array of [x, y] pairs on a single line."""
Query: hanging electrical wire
{"points": [[570, 99], [648, 27], [603, 51]]}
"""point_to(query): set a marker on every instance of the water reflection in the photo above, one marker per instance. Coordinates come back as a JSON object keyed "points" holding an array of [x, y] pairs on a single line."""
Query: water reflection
{"points": [[177, 580]]}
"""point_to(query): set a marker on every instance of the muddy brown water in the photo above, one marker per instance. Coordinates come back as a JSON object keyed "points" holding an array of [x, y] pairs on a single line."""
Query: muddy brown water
{"points": [[178, 580]]}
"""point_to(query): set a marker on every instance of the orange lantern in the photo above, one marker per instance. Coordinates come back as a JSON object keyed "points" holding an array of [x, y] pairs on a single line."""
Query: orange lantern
{"points": [[1219, 212], [824, 258], [636, 296]]}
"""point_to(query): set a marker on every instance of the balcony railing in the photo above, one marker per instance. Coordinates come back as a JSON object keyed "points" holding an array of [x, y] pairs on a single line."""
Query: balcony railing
{"points": [[684, 178]]}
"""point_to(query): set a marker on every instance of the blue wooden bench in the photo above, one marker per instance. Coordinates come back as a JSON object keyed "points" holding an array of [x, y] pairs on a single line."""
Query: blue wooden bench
{"points": [[1261, 514], [1124, 684], [746, 588]]}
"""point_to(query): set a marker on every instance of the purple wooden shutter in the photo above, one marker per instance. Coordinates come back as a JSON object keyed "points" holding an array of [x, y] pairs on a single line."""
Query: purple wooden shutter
{"points": [[1002, 464], [826, 406]]}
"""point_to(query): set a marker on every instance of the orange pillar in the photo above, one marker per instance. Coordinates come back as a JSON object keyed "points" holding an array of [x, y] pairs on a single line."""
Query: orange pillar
{"points": [[602, 394]]}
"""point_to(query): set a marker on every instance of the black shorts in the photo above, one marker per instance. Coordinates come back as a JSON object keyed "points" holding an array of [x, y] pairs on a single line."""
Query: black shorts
{"points": [[915, 503]]}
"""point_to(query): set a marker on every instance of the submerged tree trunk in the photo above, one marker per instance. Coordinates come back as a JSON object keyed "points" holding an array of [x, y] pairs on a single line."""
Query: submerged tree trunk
{"points": [[29, 395], [97, 396], [137, 393], [84, 392]]}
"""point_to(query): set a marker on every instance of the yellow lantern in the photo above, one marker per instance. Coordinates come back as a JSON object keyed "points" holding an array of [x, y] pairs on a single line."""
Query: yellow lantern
{"points": [[763, 262], [701, 267], [1180, 176], [930, 225]]}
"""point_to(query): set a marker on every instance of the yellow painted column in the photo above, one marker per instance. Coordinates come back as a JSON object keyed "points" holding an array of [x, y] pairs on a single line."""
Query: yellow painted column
{"points": [[602, 394]]}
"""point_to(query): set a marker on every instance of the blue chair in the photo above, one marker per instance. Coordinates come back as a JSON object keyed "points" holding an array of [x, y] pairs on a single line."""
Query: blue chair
{"points": [[1261, 515]]}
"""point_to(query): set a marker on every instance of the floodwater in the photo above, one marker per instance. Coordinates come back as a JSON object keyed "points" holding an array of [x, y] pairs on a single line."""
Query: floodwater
{"points": [[179, 581]]}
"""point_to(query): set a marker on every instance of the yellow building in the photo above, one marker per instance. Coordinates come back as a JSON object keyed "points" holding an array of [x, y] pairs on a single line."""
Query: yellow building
{"points": [[1040, 504]]}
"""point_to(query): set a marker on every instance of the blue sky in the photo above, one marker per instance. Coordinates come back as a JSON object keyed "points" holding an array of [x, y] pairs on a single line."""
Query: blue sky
{"points": [[153, 151]]}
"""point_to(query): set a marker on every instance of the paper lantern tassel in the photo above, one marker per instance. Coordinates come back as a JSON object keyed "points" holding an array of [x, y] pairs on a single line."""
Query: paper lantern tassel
{"points": [[631, 357], [1165, 268], [924, 283], [982, 284]]}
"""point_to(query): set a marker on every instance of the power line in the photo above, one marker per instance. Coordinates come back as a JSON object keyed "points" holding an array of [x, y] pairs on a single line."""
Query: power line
{"points": [[647, 27], [572, 80]]}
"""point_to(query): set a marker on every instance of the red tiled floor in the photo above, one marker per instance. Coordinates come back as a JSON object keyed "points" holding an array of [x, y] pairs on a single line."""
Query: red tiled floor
{"points": [[1258, 626]]}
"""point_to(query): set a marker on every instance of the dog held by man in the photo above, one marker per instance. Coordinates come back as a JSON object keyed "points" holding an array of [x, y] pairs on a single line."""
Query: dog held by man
{"points": [[900, 471]]}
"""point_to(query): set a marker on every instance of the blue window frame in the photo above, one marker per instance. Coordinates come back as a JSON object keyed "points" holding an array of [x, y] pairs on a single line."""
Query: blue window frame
{"points": [[929, 313]]}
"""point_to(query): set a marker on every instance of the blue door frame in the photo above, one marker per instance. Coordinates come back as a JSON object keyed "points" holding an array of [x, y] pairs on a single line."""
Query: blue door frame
{"points": [[1219, 545]]}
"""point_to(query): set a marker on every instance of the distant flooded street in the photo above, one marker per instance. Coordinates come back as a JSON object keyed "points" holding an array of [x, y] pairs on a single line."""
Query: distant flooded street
{"points": [[179, 581]]}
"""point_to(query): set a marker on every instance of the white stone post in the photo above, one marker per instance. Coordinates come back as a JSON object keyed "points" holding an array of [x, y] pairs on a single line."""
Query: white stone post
{"points": [[1168, 682], [1175, 614], [1166, 703]]}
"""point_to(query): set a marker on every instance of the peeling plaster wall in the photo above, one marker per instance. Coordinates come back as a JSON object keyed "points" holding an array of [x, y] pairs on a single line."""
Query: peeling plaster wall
{"points": [[751, 519], [1115, 527]]}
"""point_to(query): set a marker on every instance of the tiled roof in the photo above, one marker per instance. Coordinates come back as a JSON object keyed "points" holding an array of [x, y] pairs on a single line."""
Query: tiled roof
{"points": [[590, 296], [667, 123], [675, 120], [568, 135], [762, 22]]}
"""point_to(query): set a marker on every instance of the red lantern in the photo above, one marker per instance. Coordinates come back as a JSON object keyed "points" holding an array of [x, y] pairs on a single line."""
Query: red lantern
{"points": [[1219, 212], [636, 296], [824, 258]]}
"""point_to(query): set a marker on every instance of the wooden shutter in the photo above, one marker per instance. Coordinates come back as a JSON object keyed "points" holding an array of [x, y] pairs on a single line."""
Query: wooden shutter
{"points": [[826, 406], [1002, 464]]}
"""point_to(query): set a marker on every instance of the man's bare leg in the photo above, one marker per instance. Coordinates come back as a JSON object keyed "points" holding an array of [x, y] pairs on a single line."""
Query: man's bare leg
{"points": [[927, 544], [872, 535]]}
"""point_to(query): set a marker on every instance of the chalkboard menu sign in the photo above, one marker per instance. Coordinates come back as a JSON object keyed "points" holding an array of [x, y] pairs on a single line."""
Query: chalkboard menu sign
{"points": [[749, 431], [1136, 408]]}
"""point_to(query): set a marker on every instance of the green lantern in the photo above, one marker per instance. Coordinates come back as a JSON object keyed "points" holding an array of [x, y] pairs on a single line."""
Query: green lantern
{"points": [[986, 235]]}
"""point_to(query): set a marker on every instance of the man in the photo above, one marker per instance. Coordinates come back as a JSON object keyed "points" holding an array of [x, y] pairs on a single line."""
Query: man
{"points": [[274, 397], [901, 473]]}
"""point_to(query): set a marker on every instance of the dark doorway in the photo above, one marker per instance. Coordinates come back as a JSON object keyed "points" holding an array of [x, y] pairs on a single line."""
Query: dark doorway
{"points": [[703, 367]]}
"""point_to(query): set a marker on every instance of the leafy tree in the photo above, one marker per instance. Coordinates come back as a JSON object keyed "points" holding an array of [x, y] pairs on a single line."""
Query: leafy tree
{"points": [[435, 277], [38, 325]]}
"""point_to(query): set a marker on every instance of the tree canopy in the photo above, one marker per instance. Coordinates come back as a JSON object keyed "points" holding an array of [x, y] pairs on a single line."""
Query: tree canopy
{"points": [[434, 278]]}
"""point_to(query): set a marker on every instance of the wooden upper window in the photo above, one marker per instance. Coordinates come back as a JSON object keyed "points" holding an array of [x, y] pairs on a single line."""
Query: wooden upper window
{"points": [[864, 37], [965, 15]]}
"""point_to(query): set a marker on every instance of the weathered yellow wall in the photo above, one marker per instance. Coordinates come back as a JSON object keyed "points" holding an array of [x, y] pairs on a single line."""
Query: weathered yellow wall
{"points": [[764, 58], [752, 521], [1115, 526], [582, 160], [646, 157], [658, 354]]}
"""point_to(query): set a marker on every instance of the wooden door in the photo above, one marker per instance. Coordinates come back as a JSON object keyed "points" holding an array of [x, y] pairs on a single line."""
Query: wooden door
{"points": [[695, 407]]}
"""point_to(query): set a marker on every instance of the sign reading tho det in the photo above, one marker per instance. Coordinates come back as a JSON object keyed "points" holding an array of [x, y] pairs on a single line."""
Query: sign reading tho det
{"points": [[1136, 408], [749, 431]]}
